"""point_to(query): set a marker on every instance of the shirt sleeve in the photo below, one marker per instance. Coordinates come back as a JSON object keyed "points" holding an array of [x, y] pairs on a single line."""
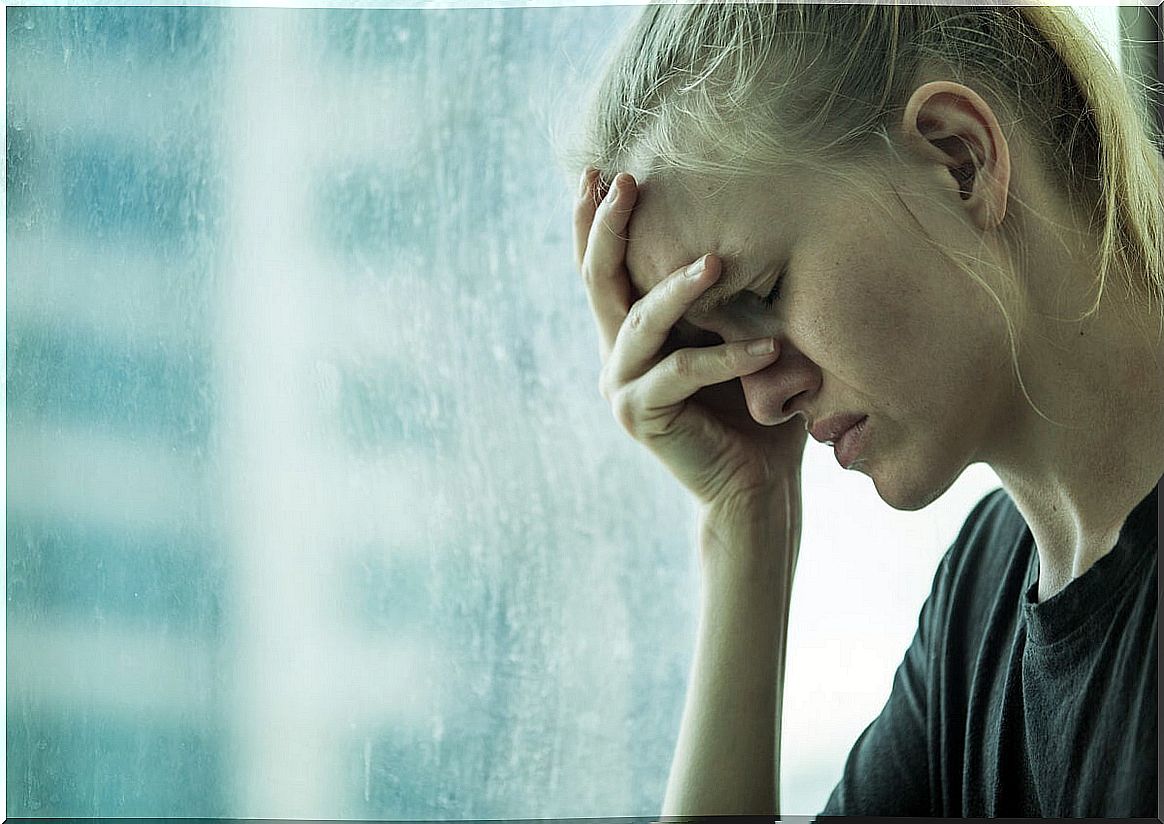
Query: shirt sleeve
{"points": [[888, 771]]}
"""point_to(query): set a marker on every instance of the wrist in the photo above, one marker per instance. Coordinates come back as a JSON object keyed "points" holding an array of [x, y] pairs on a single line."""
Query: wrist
{"points": [[756, 533]]}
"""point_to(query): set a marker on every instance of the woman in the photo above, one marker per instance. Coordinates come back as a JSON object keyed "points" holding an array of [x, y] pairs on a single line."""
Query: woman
{"points": [[930, 236]]}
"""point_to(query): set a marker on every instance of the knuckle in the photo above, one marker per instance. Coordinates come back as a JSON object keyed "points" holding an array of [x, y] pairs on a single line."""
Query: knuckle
{"points": [[591, 275], [604, 385], [624, 411], [683, 364], [636, 318]]}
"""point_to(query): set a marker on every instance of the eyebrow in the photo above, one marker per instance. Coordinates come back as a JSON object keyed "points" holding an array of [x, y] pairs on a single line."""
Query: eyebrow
{"points": [[731, 279], [723, 292]]}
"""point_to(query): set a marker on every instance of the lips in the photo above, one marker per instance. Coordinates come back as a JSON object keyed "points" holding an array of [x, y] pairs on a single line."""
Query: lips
{"points": [[831, 429], [846, 434]]}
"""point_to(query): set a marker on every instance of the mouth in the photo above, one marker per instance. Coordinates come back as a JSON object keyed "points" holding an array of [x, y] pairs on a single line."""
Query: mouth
{"points": [[848, 445]]}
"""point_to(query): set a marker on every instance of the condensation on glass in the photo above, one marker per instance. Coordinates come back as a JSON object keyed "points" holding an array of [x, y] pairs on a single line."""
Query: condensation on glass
{"points": [[314, 510]]}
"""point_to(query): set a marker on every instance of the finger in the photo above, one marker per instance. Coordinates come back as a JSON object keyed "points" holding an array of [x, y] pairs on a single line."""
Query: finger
{"points": [[681, 374], [649, 321], [589, 196], [608, 286]]}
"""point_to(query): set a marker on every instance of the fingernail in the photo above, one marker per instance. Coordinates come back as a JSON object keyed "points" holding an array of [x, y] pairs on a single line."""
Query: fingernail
{"points": [[612, 195], [763, 346], [698, 268]]}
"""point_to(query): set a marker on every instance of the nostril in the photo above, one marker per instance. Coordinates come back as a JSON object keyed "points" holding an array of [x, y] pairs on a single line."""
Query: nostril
{"points": [[790, 412]]}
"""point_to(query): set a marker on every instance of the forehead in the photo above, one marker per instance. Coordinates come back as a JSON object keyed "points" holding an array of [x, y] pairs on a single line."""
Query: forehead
{"points": [[678, 220]]}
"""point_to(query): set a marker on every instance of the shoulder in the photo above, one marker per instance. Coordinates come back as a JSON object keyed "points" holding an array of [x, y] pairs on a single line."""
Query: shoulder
{"points": [[993, 518], [993, 526], [988, 562]]}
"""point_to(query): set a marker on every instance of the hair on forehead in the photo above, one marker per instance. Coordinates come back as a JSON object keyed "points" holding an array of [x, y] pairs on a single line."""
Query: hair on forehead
{"points": [[727, 88]]}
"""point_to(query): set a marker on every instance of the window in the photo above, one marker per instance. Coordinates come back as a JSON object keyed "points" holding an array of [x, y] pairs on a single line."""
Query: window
{"points": [[313, 509]]}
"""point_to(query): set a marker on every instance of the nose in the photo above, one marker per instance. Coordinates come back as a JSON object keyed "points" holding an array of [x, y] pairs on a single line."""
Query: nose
{"points": [[782, 390]]}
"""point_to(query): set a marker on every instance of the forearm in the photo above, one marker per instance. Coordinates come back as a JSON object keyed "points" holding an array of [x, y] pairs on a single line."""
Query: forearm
{"points": [[727, 756]]}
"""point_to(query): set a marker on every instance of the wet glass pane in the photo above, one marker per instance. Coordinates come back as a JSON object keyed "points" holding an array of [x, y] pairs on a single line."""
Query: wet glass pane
{"points": [[314, 510]]}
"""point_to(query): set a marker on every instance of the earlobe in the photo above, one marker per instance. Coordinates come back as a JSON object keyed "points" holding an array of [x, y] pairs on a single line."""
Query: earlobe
{"points": [[950, 125]]}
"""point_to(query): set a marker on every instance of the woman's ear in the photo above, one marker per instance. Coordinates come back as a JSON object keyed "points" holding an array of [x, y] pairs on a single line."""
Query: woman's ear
{"points": [[949, 125]]}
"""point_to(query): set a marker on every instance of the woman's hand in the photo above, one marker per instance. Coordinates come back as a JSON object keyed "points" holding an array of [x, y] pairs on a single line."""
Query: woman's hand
{"points": [[686, 406], [683, 404]]}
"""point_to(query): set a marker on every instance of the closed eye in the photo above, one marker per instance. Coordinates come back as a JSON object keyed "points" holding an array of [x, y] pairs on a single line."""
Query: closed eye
{"points": [[774, 295]]}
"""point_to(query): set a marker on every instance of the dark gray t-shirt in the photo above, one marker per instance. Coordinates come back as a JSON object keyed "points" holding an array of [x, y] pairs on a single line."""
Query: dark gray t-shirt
{"points": [[1004, 706]]}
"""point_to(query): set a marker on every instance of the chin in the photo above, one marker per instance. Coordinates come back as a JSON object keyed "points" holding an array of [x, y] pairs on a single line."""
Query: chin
{"points": [[910, 488]]}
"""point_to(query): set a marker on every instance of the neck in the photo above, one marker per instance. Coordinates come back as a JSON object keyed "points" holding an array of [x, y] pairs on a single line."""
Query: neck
{"points": [[1078, 469]]}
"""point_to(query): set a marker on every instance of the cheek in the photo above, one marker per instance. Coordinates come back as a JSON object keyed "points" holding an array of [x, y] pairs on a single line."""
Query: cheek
{"points": [[880, 333], [861, 317]]}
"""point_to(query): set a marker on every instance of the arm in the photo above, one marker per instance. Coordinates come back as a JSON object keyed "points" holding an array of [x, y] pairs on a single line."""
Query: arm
{"points": [[687, 406], [727, 760]]}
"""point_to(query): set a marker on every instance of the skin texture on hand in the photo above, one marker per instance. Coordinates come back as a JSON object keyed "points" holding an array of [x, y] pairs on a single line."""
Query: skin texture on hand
{"points": [[684, 404]]}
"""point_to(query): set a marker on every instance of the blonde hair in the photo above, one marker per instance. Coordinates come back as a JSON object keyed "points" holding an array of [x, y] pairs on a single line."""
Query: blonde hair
{"points": [[727, 88]]}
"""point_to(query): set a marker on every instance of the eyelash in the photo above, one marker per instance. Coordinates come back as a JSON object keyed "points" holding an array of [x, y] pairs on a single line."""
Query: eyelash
{"points": [[773, 296]]}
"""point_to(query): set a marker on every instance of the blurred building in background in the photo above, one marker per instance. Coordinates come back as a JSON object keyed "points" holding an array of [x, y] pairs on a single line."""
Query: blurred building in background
{"points": [[282, 538], [115, 566]]}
